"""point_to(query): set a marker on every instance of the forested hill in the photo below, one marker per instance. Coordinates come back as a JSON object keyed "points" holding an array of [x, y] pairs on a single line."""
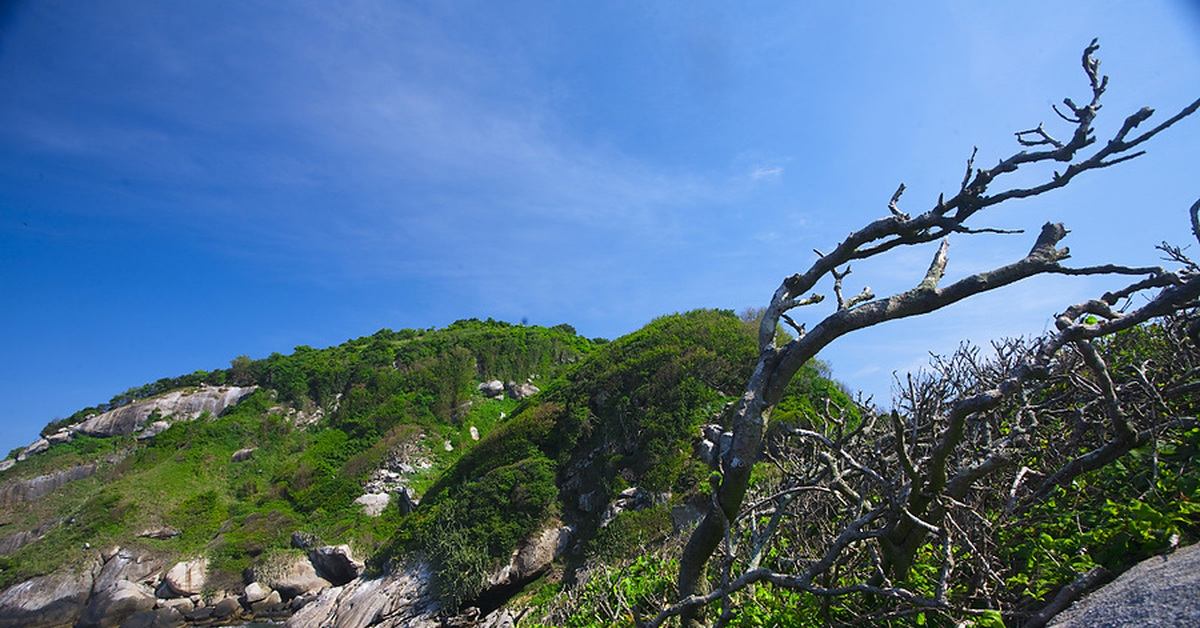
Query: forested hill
{"points": [[454, 444]]}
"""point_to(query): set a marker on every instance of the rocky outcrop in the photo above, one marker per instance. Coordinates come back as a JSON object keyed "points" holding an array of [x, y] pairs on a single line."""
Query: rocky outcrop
{"points": [[400, 599], [335, 563], [374, 503], [45, 602], [533, 557], [291, 575], [521, 391], [180, 404], [18, 491], [1159, 592], [112, 605], [17, 540], [187, 578]]}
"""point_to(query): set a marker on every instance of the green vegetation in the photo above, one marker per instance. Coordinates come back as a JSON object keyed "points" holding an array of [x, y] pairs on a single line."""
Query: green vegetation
{"points": [[611, 416]]}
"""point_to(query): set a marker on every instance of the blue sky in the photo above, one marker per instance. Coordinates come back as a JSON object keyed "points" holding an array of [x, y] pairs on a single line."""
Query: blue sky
{"points": [[185, 182]]}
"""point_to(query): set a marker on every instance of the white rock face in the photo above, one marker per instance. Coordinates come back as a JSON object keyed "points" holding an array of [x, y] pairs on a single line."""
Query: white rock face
{"points": [[533, 556], [374, 503], [187, 578], [474, 433], [181, 404]]}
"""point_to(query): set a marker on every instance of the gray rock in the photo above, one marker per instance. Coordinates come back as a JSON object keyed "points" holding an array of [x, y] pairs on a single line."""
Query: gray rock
{"points": [[1159, 592], [165, 617], [109, 607], [7, 464], [37, 447], [17, 540], [493, 388], [335, 563], [17, 491], [152, 429], [226, 608], [256, 592], [373, 503], [401, 599], [188, 577], [291, 575], [61, 436], [181, 404], [128, 566], [304, 540], [45, 602], [533, 557], [243, 455], [521, 391]]}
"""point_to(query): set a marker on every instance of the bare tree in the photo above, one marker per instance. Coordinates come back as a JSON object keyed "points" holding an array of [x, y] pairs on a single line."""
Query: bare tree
{"points": [[934, 480]]}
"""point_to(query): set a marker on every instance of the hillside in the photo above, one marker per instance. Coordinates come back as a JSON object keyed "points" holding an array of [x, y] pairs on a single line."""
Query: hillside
{"points": [[416, 477]]}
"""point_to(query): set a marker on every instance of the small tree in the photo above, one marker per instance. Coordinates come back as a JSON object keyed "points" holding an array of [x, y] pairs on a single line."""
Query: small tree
{"points": [[900, 522]]}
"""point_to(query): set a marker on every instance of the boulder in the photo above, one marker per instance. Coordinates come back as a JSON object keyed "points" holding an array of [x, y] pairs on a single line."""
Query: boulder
{"points": [[335, 563], [111, 606], [474, 433], [165, 617], [187, 578], [521, 391], [126, 565], [304, 540], [7, 464], [243, 455], [533, 557], [373, 503], [256, 592], [37, 447], [61, 436], [226, 608], [492, 389], [291, 575], [400, 599], [45, 602]]}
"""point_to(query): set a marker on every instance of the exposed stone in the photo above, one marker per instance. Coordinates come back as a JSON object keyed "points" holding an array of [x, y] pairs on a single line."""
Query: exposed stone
{"points": [[1159, 592], [61, 436], [406, 501], [152, 429], [7, 464], [17, 540], [401, 599], [447, 446], [335, 563], [533, 557], [165, 617], [373, 503], [125, 565], [45, 602], [180, 404], [256, 592], [18, 491], [243, 455], [188, 577], [521, 391], [304, 540], [474, 433], [165, 532], [493, 388], [291, 575], [37, 447], [110, 606], [272, 602], [226, 608], [180, 604]]}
